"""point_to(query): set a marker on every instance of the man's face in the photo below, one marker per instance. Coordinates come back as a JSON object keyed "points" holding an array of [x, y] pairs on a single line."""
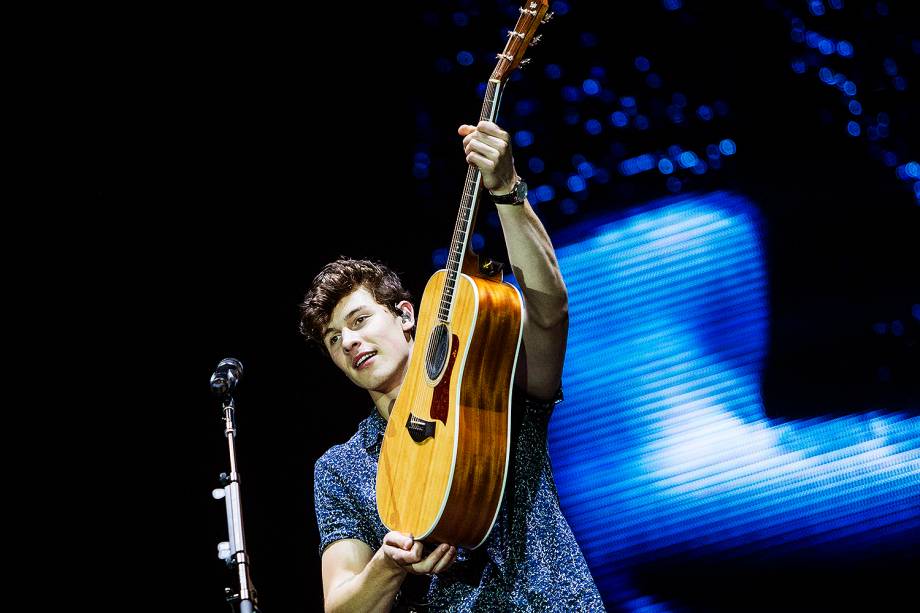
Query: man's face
{"points": [[368, 342]]}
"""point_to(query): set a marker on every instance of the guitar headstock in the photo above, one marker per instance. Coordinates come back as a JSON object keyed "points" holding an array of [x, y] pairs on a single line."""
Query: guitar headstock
{"points": [[533, 14]]}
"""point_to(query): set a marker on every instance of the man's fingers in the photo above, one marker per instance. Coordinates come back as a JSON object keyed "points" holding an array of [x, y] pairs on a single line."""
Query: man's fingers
{"points": [[425, 566], [399, 539], [445, 562]]}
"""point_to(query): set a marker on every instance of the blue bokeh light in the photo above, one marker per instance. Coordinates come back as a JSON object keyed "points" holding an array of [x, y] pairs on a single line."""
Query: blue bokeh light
{"points": [[727, 146], [523, 138], [576, 184], [464, 58], [619, 119]]}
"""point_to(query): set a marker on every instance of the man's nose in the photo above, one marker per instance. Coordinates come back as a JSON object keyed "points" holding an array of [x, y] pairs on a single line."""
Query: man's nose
{"points": [[350, 340]]}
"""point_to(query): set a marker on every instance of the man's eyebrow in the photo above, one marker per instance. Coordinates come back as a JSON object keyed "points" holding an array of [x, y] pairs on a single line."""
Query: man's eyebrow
{"points": [[347, 317]]}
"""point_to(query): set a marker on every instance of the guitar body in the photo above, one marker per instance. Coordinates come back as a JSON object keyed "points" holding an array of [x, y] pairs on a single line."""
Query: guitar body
{"points": [[444, 459]]}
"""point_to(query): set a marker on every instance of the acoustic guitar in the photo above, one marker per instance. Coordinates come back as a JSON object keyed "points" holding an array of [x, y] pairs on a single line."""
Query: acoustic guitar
{"points": [[444, 459]]}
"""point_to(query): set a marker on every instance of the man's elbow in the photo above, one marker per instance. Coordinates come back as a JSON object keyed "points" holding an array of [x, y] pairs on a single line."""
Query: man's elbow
{"points": [[552, 316]]}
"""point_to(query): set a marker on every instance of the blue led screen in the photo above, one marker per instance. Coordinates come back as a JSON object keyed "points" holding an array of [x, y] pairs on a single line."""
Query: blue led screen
{"points": [[662, 447]]}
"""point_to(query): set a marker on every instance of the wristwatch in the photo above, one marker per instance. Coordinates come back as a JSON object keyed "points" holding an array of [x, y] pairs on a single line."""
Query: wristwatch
{"points": [[515, 197]]}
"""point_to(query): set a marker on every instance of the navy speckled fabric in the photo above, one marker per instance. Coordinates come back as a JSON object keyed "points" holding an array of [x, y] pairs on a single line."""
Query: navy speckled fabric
{"points": [[530, 562]]}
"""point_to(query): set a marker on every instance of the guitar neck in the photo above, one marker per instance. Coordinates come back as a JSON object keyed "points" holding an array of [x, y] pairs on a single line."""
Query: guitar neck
{"points": [[469, 201]]}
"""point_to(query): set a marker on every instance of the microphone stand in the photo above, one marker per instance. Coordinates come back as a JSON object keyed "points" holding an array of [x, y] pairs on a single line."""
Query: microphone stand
{"points": [[233, 552]]}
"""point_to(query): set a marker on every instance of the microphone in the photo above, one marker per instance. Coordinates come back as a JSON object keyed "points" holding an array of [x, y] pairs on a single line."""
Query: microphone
{"points": [[227, 375]]}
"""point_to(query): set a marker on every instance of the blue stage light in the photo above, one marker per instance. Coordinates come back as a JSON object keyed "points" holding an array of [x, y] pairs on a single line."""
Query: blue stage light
{"points": [[478, 241], [590, 87], [853, 128], [855, 107], [672, 5], [653, 80], [535, 165], [665, 166], [687, 159], [523, 138], [662, 448], [525, 107], [826, 75], [844, 48], [642, 64], [576, 184], [849, 88], [641, 122], [439, 258], [816, 7], [712, 152], [593, 127], [891, 67], [464, 58], [798, 66], [460, 19], [569, 206], [912, 169], [586, 170], [552, 71], [559, 7], [826, 46], [545, 193], [619, 119], [890, 159], [628, 102], [727, 146], [571, 94]]}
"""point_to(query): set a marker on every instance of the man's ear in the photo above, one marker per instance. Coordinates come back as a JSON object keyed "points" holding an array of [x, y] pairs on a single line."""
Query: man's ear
{"points": [[407, 314]]}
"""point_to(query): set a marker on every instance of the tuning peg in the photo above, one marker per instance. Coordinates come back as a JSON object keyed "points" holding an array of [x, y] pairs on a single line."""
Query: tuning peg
{"points": [[548, 17], [515, 33], [536, 39], [525, 62]]}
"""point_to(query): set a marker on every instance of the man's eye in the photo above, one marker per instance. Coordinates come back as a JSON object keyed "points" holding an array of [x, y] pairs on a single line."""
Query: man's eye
{"points": [[333, 339], [361, 319]]}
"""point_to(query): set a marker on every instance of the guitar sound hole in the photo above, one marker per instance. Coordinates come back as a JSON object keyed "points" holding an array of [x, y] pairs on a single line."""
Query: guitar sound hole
{"points": [[438, 346]]}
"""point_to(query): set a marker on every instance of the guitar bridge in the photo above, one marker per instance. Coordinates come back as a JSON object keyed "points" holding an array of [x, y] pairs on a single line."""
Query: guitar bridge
{"points": [[419, 429]]}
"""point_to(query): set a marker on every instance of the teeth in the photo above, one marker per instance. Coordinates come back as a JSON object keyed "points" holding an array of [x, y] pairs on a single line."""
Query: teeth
{"points": [[365, 358]]}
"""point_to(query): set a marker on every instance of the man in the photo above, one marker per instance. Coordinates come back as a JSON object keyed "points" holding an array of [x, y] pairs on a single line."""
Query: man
{"points": [[360, 314]]}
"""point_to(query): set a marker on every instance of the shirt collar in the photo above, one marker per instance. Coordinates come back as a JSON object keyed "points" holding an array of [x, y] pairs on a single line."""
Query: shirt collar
{"points": [[372, 430]]}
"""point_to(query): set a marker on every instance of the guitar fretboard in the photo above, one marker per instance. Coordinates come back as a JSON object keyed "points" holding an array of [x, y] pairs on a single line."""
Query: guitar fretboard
{"points": [[468, 203]]}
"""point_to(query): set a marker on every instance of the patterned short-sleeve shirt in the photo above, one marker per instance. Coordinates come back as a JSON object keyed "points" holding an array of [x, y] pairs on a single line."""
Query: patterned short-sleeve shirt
{"points": [[530, 562]]}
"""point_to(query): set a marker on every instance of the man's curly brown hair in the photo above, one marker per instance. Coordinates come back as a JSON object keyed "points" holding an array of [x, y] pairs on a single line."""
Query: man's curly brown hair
{"points": [[337, 280]]}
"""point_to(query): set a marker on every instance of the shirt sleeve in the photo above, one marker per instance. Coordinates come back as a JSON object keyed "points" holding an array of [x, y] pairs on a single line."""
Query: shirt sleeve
{"points": [[337, 514], [540, 410]]}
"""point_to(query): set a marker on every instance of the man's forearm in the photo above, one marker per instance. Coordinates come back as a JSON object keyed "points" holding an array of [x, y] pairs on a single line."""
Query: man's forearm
{"points": [[371, 590], [534, 263]]}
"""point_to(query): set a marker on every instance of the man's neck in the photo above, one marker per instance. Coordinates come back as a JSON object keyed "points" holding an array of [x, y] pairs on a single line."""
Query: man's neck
{"points": [[385, 401]]}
